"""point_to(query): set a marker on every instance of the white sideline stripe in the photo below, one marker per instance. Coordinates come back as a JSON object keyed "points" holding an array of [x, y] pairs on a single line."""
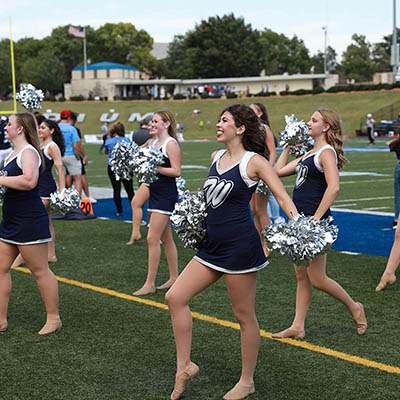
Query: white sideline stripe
{"points": [[369, 181], [349, 210], [346, 205], [365, 199], [351, 253], [375, 208]]}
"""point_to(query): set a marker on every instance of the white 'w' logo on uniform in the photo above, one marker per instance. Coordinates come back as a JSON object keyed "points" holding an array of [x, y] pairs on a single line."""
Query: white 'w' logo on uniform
{"points": [[216, 190]]}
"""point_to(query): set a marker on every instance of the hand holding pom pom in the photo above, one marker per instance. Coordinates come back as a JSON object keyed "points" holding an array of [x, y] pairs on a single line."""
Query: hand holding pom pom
{"points": [[302, 238], [65, 201], [295, 136], [123, 160], [188, 219], [30, 97]]}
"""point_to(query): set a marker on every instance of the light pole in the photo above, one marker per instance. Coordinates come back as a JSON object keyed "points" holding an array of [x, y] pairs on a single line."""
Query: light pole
{"points": [[325, 29], [394, 44]]}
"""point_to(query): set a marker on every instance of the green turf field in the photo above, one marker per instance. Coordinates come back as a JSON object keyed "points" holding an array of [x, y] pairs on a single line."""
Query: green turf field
{"points": [[116, 346]]}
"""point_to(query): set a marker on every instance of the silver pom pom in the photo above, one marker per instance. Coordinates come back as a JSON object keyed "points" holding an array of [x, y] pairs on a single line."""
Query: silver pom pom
{"points": [[123, 160], [65, 201], [188, 219], [30, 97], [263, 188], [146, 161], [295, 136], [180, 185], [302, 238], [2, 187]]}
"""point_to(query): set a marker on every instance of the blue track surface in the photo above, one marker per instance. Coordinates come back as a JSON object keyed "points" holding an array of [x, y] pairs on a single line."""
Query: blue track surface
{"points": [[358, 233]]}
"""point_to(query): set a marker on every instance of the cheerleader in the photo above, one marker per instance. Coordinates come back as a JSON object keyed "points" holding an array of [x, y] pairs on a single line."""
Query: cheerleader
{"points": [[232, 247], [163, 196], [259, 200], [52, 146], [25, 225], [316, 187]]}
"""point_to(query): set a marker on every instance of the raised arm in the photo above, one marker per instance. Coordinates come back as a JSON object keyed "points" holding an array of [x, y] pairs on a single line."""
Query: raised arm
{"points": [[282, 167], [260, 168]]}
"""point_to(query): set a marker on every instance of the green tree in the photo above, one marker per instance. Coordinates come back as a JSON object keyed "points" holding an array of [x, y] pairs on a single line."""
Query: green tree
{"points": [[381, 52], [219, 47], [5, 67], [281, 54], [318, 61], [123, 43], [45, 71], [357, 63]]}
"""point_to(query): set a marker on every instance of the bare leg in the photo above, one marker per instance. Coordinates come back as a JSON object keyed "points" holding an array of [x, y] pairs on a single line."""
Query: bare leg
{"points": [[193, 280], [141, 196], [36, 259], [159, 223], [8, 254], [172, 257], [303, 299], [68, 181], [319, 279], [51, 256], [389, 275], [78, 183], [85, 185], [242, 292]]}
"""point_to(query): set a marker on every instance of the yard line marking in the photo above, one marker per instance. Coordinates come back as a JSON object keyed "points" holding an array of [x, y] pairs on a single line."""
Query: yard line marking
{"points": [[234, 325], [365, 199], [375, 208], [346, 205]]}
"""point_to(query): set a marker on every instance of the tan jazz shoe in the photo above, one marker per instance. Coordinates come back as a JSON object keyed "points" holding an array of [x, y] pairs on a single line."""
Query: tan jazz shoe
{"points": [[386, 279], [182, 379], [3, 326], [361, 321], [50, 327], [240, 392], [289, 333]]}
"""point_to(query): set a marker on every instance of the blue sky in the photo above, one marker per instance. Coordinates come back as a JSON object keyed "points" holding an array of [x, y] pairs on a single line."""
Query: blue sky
{"points": [[163, 19]]}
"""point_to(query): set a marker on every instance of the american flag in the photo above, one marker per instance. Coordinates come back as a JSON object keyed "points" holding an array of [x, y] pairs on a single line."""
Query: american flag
{"points": [[77, 32]]}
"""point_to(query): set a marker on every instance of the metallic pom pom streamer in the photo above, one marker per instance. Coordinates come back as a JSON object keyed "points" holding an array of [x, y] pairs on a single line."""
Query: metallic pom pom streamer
{"points": [[188, 219], [123, 160], [180, 185], [302, 238], [295, 136], [30, 97], [2, 187], [262, 188], [65, 201], [147, 159]]}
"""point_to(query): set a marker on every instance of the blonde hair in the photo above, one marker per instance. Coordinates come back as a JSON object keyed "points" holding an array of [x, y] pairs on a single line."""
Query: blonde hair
{"points": [[29, 124], [334, 133], [167, 116]]}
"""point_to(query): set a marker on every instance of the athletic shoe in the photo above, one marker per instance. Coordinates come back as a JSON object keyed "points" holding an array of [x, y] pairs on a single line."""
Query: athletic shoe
{"points": [[92, 200], [143, 222]]}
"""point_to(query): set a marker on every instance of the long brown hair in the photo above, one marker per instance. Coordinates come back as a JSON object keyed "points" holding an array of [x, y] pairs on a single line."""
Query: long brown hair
{"points": [[28, 122], [57, 136], [253, 138], [334, 133], [167, 116]]}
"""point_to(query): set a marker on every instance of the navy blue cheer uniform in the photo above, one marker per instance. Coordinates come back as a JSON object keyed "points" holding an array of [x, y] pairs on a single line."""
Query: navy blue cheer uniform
{"points": [[163, 192], [310, 183], [46, 181], [25, 219], [232, 243]]}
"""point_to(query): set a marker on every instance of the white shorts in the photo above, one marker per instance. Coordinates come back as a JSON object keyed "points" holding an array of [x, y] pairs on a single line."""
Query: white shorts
{"points": [[72, 165]]}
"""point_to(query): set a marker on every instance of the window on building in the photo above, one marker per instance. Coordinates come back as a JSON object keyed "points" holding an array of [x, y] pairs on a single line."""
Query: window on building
{"points": [[82, 74], [108, 73], [95, 74]]}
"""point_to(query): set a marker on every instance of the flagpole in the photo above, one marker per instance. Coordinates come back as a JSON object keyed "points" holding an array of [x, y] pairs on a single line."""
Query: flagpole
{"points": [[85, 61]]}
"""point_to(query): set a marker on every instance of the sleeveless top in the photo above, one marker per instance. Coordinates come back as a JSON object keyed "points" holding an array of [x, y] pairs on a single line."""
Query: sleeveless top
{"points": [[25, 219], [310, 183], [46, 181], [232, 242]]}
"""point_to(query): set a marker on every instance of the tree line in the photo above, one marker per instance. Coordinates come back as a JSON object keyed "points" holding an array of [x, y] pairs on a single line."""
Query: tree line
{"points": [[218, 47]]}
